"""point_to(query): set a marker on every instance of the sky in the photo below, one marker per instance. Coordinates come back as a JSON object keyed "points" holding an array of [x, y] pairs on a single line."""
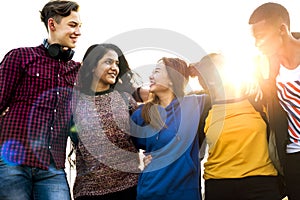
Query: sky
{"points": [[212, 25]]}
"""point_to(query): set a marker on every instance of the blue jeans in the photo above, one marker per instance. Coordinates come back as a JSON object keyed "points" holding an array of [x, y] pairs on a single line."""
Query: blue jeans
{"points": [[27, 183]]}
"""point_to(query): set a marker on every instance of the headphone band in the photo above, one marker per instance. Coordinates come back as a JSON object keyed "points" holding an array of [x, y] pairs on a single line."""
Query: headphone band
{"points": [[56, 51]]}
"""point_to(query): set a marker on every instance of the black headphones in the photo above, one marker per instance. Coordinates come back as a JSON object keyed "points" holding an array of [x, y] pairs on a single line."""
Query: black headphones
{"points": [[56, 51]]}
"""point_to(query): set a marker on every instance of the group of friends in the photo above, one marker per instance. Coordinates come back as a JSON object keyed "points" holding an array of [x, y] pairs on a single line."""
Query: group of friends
{"points": [[144, 144]]}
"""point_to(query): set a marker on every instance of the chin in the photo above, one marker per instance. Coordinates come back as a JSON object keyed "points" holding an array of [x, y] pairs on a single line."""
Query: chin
{"points": [[72, 46], [151, 89], [267, 53], [112, 82]]}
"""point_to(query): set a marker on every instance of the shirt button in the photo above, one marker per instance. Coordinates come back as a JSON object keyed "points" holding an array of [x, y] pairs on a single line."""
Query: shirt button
{"points": [[49, 147], [57, 93], [37, 74], [51, 128], [54, 110], [58, 75]]}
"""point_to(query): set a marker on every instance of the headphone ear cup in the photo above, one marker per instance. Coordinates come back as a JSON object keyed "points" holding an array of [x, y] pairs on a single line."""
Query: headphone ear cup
{"points": [[67, 55], [54, 50]]}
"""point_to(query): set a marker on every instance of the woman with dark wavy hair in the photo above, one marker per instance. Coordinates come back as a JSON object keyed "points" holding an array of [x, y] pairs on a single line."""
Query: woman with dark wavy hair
{"points": [[106, 159]]}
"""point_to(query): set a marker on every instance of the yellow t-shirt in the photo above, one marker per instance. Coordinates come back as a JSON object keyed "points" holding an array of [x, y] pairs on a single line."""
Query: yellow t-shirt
{"points": [[236, 135]]}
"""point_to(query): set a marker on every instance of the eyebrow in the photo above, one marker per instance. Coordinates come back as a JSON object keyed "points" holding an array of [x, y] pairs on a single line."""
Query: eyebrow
{"points": [[111, 59], [75, 22]]}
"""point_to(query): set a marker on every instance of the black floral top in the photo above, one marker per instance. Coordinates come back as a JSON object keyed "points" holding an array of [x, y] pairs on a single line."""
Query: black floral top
{"points": [[106, 159]]}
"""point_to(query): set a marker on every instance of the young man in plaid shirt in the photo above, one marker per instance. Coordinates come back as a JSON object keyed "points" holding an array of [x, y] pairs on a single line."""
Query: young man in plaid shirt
{"points": [[36, 84]]}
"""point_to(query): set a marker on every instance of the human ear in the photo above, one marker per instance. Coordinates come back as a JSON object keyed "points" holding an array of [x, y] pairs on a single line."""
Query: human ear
{"points": [[283, 29], [51, 24]]}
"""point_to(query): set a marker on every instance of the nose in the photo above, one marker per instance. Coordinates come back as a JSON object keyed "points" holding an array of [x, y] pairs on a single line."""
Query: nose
{"points": [[151, 77], [259, 43], [77, 31], [114, 65]]}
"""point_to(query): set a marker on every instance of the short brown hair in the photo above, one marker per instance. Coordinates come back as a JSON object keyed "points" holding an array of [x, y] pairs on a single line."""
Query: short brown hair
{"points": [[57, 10]]}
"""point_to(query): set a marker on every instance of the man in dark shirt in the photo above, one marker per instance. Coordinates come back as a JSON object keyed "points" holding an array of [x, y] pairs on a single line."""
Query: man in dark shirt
{"points": [[270, 26], [36, 84]]}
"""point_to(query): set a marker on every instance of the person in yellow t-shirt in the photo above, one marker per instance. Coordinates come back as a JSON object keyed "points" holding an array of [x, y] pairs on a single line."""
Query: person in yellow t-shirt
{"points": [[238, 164]]}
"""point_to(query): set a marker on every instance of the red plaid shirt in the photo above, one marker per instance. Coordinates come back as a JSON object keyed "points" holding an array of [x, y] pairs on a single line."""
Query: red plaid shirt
{"points": [[37, 89]]}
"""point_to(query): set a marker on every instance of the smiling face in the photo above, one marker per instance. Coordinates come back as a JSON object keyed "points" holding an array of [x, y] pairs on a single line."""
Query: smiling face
{"points": [[106, 72], [268, 37], [159, 79], [67, 31]]}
